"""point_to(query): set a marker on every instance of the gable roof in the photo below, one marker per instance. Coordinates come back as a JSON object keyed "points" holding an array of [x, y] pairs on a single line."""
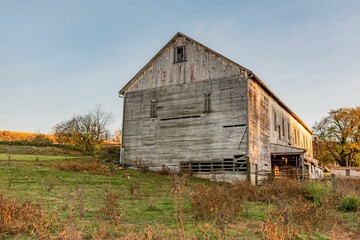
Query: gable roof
{"points": [[250, 74]]}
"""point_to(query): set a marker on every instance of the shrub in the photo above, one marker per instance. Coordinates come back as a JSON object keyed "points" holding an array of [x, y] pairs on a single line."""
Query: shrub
{"points": [[349, 203], [140, 166], [112, 211], [276, 225], [280, 190], [316, 191], [245, 191], [26, 218], [306, 215], [215, 202], [347, 186]]}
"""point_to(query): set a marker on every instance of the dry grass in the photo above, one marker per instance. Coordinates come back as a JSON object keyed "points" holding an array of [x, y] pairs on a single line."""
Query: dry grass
{"points": [[24, 217], [245, 191], [112, 211], [140, 166], [91, 166], [220, 203], [276, 225], [179, 194], [214, 202], [348, 186], [280, 190]]}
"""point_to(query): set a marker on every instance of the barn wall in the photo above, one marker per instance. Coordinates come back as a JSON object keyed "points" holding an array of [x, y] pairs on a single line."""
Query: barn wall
{"points": [[270, 123], [286, 130], [182, 131], [259, 130], [200, 64]]}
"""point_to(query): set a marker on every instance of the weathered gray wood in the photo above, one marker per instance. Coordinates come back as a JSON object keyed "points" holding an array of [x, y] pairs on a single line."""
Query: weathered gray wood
{"points": [[194, 136], [242, 123]]}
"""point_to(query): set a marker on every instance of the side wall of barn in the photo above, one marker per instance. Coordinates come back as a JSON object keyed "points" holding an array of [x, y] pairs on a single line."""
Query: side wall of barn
{"points": [[271, 124], [259, 131]]}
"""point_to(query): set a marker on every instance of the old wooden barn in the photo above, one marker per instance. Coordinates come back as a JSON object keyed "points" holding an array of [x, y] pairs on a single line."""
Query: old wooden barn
{"points": [[190, 107]]}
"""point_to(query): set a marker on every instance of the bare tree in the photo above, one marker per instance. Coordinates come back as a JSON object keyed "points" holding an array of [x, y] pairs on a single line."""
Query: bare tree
{"points": [[338, 137], [85, 131]]}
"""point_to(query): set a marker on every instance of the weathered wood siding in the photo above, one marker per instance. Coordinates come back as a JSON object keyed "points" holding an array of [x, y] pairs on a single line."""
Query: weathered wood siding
{"points": [[286, 130], [200, 64], [259, 130], [270, 123], [182, 131]]}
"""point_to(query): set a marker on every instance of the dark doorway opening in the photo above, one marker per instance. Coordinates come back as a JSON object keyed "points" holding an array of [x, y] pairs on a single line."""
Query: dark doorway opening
{"points": [[287, 166]]}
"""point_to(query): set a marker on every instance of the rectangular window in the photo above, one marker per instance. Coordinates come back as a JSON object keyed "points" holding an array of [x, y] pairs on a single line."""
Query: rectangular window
{"points": [[279, 131], [298, 137], [179, 55], [283, 127], [153, 108], [207, 102], [288, 129], [275, 123], [347, 172]]}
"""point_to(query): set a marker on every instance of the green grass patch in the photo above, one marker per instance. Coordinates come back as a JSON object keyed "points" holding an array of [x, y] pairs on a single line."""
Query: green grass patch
{"points": [[29, 157]]}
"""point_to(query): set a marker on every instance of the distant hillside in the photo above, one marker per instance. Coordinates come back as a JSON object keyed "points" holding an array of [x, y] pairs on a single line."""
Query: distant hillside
{"points": [[9, 136]]}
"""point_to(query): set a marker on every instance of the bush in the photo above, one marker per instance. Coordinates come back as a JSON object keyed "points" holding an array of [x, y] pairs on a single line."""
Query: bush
{"points": [[112, 210], [280, 190], [215, 202], [92, 166], [349, 203], [245, 191], [316, 191], [26, 217]]}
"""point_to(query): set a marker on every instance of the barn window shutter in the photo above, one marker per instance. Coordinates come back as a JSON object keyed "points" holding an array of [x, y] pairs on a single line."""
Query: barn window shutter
{"points": [[207, 102], [153, 108]]}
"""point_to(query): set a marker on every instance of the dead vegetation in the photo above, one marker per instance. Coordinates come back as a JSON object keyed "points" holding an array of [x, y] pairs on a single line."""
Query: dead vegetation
{"points": [[111, 210], [90, 166], [24, 217]]}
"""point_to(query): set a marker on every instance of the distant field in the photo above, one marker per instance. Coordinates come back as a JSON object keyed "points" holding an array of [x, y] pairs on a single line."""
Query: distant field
{"points": [[22, 136], [27, 157], [32, 150]]}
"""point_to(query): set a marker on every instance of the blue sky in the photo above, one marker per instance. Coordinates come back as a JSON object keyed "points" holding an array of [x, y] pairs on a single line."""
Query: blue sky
{"points": [[61, 58]]}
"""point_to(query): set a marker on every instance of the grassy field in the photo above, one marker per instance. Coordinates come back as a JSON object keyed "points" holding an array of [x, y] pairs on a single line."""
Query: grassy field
{"points": [[84, 199]]}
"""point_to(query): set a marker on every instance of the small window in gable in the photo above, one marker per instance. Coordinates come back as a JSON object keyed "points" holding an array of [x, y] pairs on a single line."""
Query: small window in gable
{"points": [[179, 54], [207, 102], [153, 108]]}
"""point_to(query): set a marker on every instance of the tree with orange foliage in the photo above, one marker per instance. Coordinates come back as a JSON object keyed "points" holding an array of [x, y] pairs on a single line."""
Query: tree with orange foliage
{"points": [[338, 137]]}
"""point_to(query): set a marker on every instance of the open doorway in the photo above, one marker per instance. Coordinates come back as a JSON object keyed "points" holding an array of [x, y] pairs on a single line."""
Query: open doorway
{"points": [[289, 165]]}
